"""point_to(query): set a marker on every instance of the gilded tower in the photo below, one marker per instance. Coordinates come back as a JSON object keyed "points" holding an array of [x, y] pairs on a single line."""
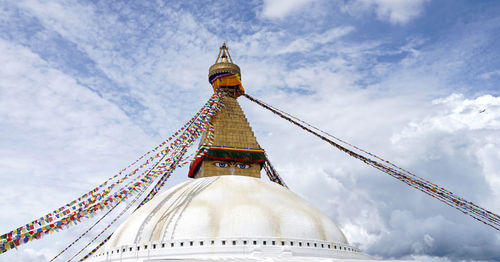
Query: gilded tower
{"points": [[234, 149]]}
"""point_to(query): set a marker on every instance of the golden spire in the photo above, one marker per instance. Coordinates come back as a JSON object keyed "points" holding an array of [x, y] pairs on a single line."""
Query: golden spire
{"points": [[234, 150]]}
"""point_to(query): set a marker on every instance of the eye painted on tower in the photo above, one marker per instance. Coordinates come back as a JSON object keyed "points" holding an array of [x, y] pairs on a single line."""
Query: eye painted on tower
{"points": [[243, 166], [221, 164]]}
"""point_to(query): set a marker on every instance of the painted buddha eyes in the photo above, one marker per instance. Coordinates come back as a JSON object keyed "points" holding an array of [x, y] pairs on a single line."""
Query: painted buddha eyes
{"points": [[242, 166], [221, 164], [237, 165]]}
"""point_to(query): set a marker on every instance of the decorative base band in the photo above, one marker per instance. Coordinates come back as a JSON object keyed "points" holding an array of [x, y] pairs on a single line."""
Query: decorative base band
{"points": [[230, 247]]}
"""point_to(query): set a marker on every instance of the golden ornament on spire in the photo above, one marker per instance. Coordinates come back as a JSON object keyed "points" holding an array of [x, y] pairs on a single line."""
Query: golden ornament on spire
{"points": [[224, 65], [225, 75]]}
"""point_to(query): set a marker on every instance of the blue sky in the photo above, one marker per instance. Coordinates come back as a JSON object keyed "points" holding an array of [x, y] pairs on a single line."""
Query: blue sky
{"points": [[86, 87]]}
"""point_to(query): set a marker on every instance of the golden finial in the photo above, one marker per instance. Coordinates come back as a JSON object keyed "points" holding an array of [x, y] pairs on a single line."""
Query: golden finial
{"points": [[223, 64]]}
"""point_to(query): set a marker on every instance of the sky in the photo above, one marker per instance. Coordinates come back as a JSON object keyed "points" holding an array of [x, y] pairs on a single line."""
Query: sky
{"points": [[86, 87]]}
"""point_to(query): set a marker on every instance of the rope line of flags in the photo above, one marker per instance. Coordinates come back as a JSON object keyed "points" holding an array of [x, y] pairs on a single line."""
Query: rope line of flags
{"points": [[105, 198], [469, 208]]}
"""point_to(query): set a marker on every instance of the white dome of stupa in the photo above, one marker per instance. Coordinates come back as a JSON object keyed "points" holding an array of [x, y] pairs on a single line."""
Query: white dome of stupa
{"points": [[227, 216], [226, 207]]}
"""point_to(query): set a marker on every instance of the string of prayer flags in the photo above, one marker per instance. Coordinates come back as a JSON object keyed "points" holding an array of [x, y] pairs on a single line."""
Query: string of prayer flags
{"points": [[469, 208], [110, 194], [272, 173], [217, 103]]}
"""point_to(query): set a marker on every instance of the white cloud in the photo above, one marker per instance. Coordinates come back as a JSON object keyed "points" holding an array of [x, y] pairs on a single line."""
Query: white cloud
{"points": [[58, 140], [394, 11], [398, 12], [277, 9], [147, 65], [489, 75], [311, 41], [467, 128], [456, 113]]}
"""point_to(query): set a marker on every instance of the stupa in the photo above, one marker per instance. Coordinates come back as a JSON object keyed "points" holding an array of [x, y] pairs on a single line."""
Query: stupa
{"points": [[226, 212]]}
